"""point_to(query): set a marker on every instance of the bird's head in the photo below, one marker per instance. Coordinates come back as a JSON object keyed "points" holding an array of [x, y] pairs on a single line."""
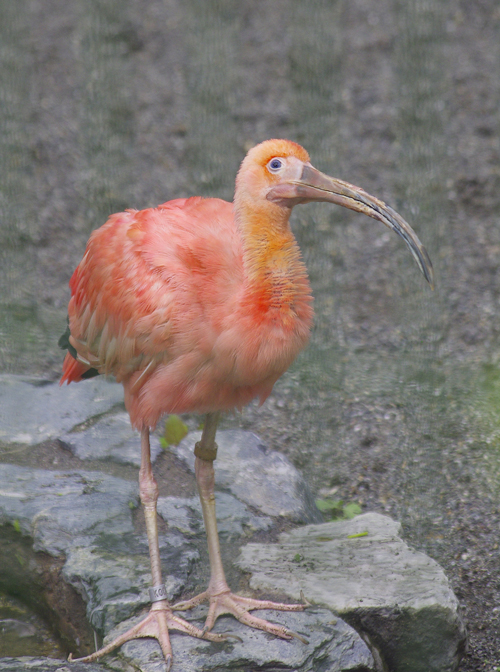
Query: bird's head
{"points": [[279, 172]]}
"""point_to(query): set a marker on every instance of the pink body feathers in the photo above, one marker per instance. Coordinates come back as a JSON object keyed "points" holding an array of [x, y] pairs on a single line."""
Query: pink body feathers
{"points": [[177, 304]]}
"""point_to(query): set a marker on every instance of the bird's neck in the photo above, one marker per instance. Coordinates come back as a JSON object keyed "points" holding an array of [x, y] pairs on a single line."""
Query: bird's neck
{"points": [[271, 255]]}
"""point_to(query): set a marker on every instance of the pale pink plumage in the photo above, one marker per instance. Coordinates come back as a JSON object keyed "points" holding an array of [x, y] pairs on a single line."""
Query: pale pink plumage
{"points": [[162, 300]]}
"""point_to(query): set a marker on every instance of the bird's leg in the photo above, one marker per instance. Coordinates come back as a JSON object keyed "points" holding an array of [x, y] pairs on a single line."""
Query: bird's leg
{"points": [[160, 618], [218, 594]]}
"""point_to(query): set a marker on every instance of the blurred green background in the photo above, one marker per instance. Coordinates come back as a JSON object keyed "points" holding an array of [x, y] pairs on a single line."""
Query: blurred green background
{"points": [[395, 405]]}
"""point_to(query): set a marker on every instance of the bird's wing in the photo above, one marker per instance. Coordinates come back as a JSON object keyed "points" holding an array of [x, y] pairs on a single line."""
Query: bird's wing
{"points": [[149, 284]]}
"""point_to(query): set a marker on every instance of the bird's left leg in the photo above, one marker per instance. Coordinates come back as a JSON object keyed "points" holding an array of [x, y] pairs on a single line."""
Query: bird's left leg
{"points": [[160, 618], [218, 594]]}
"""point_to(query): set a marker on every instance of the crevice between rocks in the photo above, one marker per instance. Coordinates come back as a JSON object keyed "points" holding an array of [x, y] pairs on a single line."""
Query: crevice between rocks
{"points": [[35, 579]]}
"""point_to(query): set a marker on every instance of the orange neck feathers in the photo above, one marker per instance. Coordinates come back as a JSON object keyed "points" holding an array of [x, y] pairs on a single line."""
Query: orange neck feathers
{"points": [[268, 243], [273, 265]]}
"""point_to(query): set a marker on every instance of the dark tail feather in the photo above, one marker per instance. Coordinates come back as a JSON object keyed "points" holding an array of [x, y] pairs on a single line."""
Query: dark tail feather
{"points": [[73, 370]]}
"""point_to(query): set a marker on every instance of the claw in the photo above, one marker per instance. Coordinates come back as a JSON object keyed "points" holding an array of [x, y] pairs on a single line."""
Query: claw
{"points": [[213, 636], [156, 625], [231, 635], [304, 601], [224, 635], [299, 637], [239, 607]]}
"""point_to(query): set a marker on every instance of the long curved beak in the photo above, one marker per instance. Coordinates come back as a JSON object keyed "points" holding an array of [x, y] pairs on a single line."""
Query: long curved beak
{"points": [[316, 186]]}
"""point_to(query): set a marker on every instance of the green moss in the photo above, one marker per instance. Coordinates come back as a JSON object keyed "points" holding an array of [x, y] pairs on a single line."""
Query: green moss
{"points": [[175, 431]]}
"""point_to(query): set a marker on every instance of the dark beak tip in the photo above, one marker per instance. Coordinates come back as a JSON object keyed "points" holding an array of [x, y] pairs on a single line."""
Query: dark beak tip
{"points": [[428, 270]]}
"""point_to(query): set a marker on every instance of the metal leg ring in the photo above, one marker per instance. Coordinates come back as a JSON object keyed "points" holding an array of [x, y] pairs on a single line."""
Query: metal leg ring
{"points": [[158, 593]]}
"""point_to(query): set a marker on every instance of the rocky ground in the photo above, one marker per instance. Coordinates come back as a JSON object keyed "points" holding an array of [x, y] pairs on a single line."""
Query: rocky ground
{"points": [[373, 601]]}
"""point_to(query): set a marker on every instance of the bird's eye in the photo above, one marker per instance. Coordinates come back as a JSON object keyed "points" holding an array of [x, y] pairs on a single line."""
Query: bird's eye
{"points": [[274, 165]]}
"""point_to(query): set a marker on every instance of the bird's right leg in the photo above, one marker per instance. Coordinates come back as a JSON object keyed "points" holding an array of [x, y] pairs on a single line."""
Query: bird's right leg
{"points": [[218, 594], [160, 618]]}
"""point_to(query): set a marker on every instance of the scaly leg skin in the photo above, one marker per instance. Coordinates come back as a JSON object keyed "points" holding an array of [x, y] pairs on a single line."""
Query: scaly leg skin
{"points": [[160, 618], [221, 599]]}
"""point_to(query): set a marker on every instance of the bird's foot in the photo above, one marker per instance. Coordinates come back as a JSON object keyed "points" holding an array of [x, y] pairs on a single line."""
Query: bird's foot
{"points": [[238, 606], [156, 625]]}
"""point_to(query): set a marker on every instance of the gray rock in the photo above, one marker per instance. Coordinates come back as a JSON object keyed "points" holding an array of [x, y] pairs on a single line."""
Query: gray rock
{"points": [[113, 575], [60, 509], [333, 646], [262, 478], [32, 664], [110, 438], [398, 597], [233, 517], [87, 516], [180, 513], [33, 410]]}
